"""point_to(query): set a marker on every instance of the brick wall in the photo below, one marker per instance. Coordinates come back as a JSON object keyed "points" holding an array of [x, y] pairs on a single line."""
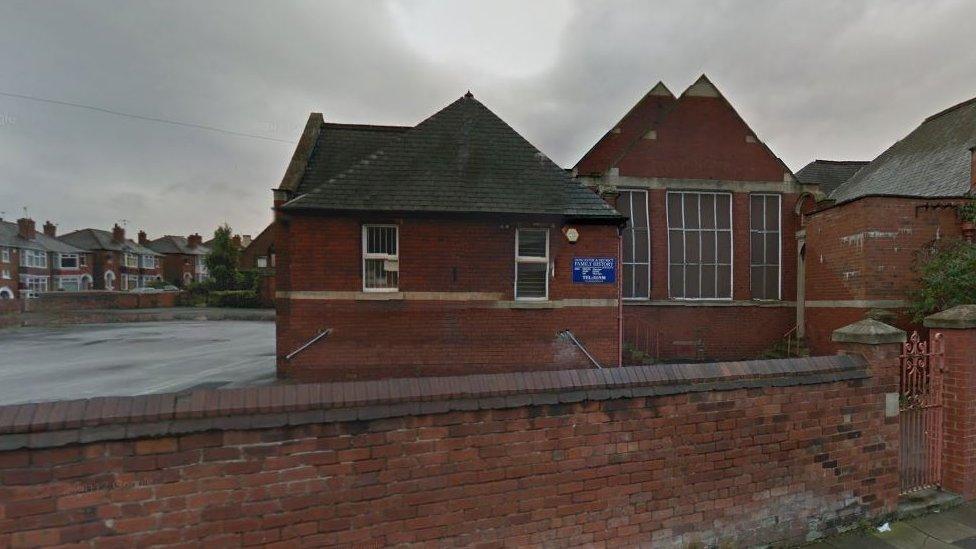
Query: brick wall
{"points": [[864, 251], [736, 453], [718, 326], [456, 313], [73, 301]]}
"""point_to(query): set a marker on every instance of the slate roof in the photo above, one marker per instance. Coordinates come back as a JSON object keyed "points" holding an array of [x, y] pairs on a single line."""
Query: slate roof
{"points": [[829, 174], [461, 159], [339, 146], [171, 244], [97, 239], [10, 237], [934, 160]]}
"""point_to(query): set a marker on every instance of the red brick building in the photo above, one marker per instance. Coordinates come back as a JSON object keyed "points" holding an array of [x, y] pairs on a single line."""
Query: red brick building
{"points": [[448, 247], [860, 246], [709, 247], [33, 262], [118, 263], [259, 255], [182, 257]]}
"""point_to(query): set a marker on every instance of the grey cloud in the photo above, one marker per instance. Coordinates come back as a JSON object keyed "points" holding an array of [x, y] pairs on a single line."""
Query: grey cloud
{"points": [[834, 79]]}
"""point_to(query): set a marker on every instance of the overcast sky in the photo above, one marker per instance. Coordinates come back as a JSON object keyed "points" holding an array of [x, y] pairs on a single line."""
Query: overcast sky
{"points": [[816, 79]]}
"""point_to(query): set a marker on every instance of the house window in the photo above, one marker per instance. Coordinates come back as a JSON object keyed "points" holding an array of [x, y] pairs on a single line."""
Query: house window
{"points": [[262, 261], [69, 283], [83, 260], [5, 255], [5, 274], [130, 282], [700, 245], [33, 258], [381, 258], [636, 245], [31, 285], [68, 261], [764, 233], [131, 260], [532, 264]]}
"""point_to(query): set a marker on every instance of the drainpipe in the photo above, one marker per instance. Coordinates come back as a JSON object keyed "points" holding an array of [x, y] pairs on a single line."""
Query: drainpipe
{"points": [[620, 299]]}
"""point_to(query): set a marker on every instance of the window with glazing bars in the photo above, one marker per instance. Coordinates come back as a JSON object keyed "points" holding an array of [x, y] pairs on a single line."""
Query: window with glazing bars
{"points": [[636, 259], [766, 252], [700, 245], [381, 259], [532, 264]]}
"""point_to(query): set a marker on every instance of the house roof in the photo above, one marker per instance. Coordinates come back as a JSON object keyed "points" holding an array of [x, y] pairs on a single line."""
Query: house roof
{"points": [[97, 239], [10, 237], [934, 160], [263, 241], [829, 174], [463, 158], [171, 244], [339, 146]]}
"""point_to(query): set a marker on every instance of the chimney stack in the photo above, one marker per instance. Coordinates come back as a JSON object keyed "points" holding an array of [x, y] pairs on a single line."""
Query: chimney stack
{"points": [[246, 240], [236, 241], [50, 229], [118, 234], [143, 240], [25, 228], [194, 240]]}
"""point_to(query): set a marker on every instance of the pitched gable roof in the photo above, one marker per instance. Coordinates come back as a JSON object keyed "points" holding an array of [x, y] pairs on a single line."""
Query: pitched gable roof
{"points": [[829, 174], [461, 159], [934, 160], [639, 120], [10, 237], [97, 239], [171, 244], [699, 135]]}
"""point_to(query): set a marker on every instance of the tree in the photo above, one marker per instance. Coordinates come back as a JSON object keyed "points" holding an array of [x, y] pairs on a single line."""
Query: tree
{"points": [[223, 259], [947, 276]]}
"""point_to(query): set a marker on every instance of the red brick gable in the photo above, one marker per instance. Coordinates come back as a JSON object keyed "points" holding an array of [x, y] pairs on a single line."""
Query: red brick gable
{"points": [[637, 122], [703, 137]]}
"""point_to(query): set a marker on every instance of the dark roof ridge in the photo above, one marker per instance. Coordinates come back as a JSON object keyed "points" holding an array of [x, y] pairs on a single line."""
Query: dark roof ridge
{"points": [[842, 161], [375, 127], [950, 109]]}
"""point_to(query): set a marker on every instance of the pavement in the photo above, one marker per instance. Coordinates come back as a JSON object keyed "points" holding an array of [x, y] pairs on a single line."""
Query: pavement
{"points": [[953, 528], [82, 361]]}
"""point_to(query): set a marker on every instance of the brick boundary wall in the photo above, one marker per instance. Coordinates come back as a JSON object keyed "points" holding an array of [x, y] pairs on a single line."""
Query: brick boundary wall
{"points": [[54, 302], [745, 452]]}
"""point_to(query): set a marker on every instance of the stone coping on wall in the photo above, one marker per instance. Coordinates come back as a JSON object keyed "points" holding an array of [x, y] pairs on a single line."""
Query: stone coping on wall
{"points": [[59, 423]]}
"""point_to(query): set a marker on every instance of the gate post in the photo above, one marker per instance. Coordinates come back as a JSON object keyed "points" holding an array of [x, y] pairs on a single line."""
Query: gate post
{"points": [[880, 345], [958, 326]]}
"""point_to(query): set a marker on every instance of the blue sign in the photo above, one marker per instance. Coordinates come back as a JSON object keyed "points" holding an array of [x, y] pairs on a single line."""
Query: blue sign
{"points": [[594, 270]]}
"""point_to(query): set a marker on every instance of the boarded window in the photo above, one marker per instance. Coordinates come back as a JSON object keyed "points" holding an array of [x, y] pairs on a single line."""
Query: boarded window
{"points": [[765, 245], [699, 245], [532, 264], [636, 259], [381, 258]]}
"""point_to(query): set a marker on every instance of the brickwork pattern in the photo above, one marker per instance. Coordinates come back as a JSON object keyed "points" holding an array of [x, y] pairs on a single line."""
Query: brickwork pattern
{"points": [[761, 452]]}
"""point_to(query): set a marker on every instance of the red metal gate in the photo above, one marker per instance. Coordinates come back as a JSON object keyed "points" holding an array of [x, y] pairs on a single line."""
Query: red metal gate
{"points": [[920, 405]]}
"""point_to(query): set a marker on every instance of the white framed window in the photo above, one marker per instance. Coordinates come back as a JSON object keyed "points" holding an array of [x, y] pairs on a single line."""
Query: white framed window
{"points": [[83, 260], [131, 260], [33, 258], [532, 264], [69, 283], [68, 261], [262, 261], [699, 245], [201, 264], [636, 260], [147, 261], [31, 285], [5, 274], [130, 282], [5, 255], [766, 246], [381, 258]]}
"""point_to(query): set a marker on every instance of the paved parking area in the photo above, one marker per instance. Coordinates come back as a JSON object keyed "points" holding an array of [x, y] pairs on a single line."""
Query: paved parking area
{"points": [[950, 529], [133, 358]]}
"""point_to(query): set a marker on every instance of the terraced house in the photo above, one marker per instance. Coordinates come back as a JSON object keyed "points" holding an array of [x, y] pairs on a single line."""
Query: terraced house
{"points": [[33, 262], [453, 246], [117, 263], [182, 257], [709, 245]]}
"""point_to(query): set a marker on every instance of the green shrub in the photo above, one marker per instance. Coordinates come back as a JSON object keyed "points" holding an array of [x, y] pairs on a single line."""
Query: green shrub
{"points": [[947, 276], [233, 298]]}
